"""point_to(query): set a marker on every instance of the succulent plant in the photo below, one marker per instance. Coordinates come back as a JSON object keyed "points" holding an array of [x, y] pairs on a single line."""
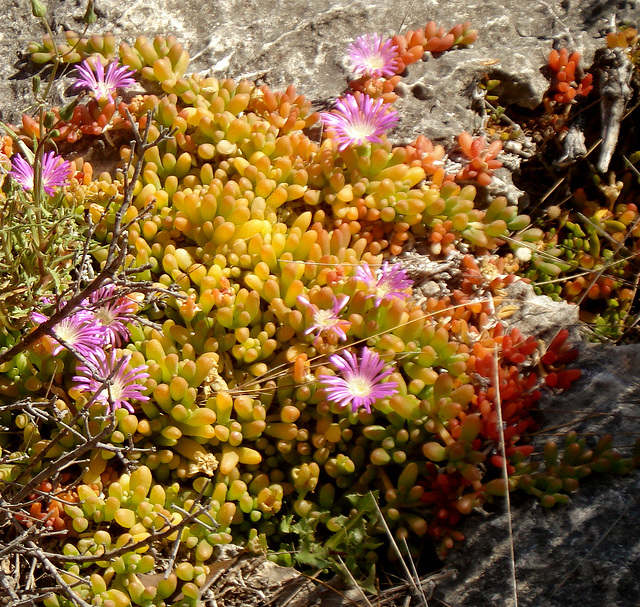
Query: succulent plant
{"points": [[287, 379]]}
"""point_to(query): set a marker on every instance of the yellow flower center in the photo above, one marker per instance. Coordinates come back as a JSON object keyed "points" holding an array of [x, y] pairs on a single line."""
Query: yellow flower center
{"points": [[375, 62], [116, 389], [359, 133], [325, 318], [104, 315], [359, 386]]}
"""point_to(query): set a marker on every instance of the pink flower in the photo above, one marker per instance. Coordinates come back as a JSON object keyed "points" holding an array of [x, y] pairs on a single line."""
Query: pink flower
{"points": [[370, 56], [103, 87], [327, 321], [111, 382], [359, 119], [55, 172], [80, 331], [111, 313], [390, 281], [358, 383]]}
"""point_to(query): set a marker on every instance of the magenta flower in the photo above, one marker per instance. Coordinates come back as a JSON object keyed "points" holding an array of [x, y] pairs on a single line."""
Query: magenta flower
{"points": [[112, 388], [55, 172], [370, 56], [111, 313], [327, 321], [390, 281], [359, 119], [358, 383], [103, 87], [80, 331]]}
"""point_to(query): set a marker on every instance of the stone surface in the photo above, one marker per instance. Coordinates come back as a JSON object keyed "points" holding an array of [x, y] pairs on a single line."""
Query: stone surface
{"points": [[304, 42], [539, 315], [587, 553]]}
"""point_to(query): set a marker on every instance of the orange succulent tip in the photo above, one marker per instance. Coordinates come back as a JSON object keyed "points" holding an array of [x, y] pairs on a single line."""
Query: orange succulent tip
{"points": [[623, 38], [457, 30], [44, 347], [613, 39], [415, 38], [6, 145], [431, 29], [466, 142], [563, 57], [440, 44]]}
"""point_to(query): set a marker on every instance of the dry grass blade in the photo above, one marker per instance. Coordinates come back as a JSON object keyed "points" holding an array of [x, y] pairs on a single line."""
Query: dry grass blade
{"points": [[413, 583], [353, 581], [505, 475], [414, 570]]}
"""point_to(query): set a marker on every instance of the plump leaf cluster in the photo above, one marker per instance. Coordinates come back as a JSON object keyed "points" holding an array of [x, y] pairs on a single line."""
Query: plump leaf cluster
{"points": [[251, 227]]}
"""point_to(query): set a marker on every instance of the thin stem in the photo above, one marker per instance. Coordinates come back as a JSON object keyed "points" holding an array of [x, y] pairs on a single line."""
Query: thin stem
{"points": [[505, 474]]}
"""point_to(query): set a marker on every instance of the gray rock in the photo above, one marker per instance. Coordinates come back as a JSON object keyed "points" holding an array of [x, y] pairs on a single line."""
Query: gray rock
{"points": [[586, 553], [539, 315], [304, 43]]}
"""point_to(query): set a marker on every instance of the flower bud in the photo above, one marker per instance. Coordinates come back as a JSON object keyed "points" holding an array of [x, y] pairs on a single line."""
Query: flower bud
{"points": [[66, 111], [38, 9], [49, 119], [89, 15], [35, 84]]}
